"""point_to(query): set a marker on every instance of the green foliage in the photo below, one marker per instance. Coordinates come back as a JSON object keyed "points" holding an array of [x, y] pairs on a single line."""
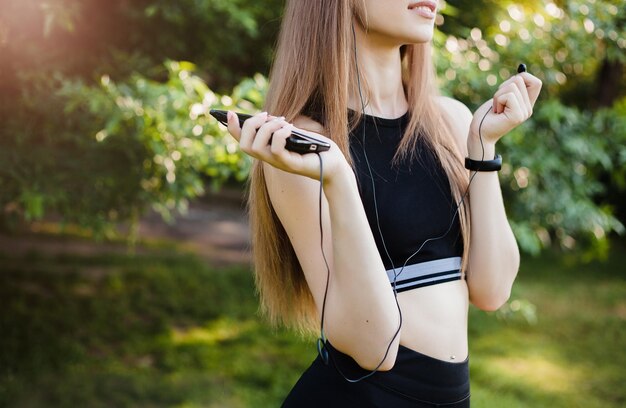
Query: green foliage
{"points": [[105, 153], [169, 120], [557, 164], [227, 39], [562, 45], [552, 175], [102, 129]]}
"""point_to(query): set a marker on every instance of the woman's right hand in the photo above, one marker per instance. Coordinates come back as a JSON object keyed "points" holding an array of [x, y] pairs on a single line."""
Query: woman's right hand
{"points": [[258, 131]]}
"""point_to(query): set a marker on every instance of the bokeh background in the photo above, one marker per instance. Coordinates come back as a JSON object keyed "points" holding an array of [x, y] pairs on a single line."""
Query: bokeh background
{"points": [[125, 276]]}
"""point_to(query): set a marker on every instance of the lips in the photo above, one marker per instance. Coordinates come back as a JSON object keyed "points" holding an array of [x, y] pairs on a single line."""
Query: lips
{"points": [[425, 9]]}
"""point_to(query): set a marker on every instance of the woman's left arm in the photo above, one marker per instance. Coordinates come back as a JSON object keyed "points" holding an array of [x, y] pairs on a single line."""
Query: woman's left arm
{"points": [[494, 255]]}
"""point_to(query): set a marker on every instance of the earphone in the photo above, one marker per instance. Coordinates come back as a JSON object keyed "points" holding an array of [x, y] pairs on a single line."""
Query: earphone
{"points": [[324, 353]]}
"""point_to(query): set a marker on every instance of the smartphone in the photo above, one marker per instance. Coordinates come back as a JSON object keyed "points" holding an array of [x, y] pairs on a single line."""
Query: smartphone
{"points": [[297, 142]]}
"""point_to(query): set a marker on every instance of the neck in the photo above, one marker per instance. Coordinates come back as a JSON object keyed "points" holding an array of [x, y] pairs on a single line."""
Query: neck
{"points": [[380, 66]]}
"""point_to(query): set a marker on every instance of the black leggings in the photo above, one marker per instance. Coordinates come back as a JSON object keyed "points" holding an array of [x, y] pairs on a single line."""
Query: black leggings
{"points": [[416, 381]]}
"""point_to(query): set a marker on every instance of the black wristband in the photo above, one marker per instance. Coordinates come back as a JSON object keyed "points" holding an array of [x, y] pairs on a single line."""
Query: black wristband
{"points": [[484, 165]]}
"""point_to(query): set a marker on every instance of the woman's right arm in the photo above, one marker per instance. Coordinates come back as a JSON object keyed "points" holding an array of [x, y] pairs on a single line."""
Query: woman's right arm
{"points": [[361, 315]]}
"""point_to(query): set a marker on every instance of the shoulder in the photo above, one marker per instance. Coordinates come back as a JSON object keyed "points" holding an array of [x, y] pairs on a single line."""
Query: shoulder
{"points": [[306, 123], [458, 117], [455, 108]]}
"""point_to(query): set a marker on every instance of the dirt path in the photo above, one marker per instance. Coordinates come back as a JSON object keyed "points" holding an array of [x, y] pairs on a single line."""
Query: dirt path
{"points": [[215, 228]]}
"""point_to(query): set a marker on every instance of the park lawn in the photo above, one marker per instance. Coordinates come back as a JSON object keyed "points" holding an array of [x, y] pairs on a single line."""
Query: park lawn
{"points": [[168, 330]]}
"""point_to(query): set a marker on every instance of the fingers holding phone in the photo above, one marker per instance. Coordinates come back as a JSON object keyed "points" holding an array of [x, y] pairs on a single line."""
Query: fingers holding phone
{"points": [[265, 135], [236, 124], [259, 133], [277, 142]]}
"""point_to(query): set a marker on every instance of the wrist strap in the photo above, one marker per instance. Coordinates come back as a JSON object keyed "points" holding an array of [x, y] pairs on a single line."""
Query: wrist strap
{"points": [[484, 165]]}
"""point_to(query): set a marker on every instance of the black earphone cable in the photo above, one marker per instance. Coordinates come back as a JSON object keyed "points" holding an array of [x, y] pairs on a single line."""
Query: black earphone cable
{"points": [[456, 210], [321, 341]]}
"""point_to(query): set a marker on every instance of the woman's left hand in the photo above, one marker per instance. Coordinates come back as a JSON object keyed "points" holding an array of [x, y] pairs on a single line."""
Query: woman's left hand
{"points": [[510, 106]]}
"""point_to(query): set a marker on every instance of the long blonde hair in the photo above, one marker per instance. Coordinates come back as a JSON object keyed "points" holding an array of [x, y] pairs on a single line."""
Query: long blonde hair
{"points": [[315, 67]]}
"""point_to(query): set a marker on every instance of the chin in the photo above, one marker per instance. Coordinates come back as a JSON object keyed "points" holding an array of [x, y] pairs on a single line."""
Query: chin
{"points": [[402, 33], [418, 37]]}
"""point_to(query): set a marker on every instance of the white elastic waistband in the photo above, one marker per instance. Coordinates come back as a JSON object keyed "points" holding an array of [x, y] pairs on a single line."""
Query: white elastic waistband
{"points": [[426, 273]]}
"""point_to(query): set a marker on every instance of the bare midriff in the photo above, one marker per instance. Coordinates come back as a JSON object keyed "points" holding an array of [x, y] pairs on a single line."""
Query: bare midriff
{"points": [[434, 320]]}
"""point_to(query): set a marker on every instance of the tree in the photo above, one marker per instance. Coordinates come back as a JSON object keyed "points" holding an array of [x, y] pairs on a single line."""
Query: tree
{"points": [[102, 93]]}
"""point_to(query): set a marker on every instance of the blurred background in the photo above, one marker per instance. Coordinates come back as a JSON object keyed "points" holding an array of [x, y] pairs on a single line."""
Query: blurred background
{"points": [[125, 275]]}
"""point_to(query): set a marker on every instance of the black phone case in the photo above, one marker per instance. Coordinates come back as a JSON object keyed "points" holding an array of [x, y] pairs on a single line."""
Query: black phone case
{"points": [[297, 142]]}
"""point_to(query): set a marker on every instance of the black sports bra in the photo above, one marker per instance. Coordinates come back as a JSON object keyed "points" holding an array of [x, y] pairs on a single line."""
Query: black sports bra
{"points": [[414, 204]]}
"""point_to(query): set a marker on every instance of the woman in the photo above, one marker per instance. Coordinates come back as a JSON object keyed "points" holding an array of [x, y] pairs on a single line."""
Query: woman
{"points": [[360, 73]]}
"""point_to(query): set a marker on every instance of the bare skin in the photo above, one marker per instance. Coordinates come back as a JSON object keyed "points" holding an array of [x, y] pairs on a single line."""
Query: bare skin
{"points": [[361, 314]]}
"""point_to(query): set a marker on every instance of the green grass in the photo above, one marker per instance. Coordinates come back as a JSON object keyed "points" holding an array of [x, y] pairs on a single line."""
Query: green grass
{"points": [[156, 331], [573, 356]]}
